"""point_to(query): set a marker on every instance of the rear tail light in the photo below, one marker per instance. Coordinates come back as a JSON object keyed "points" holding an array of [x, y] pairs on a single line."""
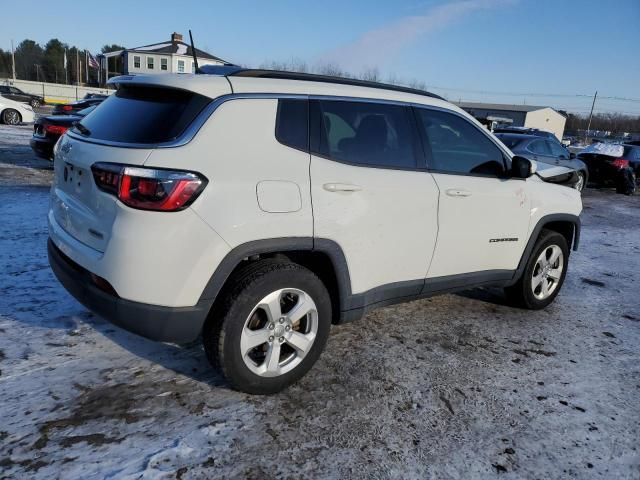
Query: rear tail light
{"points": [[67, 108], [55, 129], [149, 188], [620, 163]]}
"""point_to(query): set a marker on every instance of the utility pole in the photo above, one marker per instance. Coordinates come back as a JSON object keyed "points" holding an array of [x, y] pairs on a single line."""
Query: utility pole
{"points": [[591, 115], [37, 72], [13, 61]]}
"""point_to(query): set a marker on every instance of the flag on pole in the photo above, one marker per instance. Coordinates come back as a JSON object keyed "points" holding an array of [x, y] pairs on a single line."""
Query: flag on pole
{"points": [[93, 63]]}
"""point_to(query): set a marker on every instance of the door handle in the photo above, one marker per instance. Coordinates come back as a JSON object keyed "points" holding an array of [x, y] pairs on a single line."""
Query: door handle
{"points": [[341, 187], [455, 192]]}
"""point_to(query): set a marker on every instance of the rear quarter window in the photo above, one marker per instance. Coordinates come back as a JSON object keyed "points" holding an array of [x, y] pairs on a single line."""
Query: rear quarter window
{"points": [[143, 115], [292, 123]]}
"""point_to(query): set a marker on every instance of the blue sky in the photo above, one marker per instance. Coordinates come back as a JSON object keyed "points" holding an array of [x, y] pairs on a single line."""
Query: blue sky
{"points": [[474, 50]]}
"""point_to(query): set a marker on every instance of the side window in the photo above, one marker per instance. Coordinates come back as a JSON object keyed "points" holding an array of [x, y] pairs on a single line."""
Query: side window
{"points": [[457, 146], [366, 133], [292, 123], [163, 64], [540, 147], [15, 91], [136, 61], [557, 150], [180, 66], [150, 61]]}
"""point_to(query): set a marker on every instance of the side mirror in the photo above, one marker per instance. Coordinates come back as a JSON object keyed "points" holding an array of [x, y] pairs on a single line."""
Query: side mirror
{"points": [[522, 167], [572, 155]]}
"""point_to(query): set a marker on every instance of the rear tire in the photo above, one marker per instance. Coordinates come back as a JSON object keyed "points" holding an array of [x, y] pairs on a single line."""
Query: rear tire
{"points": [[11, 117], [544, 273], [253, 334], [35, 103]]}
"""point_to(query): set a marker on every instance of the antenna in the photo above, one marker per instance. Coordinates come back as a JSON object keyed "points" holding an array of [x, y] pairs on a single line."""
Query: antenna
{"points": [[193, 51]]}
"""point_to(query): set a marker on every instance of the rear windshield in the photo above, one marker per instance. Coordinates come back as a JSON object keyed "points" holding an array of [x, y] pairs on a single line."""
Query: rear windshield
{"points": [[144, 115], [510, 142]]}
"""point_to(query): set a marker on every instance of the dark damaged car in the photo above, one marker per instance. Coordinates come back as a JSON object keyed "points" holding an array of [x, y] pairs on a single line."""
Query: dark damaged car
{"points": [[613, 165], [47, 131]]}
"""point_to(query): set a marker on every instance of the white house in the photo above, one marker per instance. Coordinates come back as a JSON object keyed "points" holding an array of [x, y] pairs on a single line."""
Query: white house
{"points": [[174, 56]]}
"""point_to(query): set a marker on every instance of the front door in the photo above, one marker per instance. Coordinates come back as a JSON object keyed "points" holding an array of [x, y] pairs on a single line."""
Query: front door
{"points": [[483, 215]]}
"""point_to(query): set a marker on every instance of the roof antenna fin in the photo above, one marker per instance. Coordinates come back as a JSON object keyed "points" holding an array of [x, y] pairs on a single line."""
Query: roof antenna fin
{"points": [[193, 51]]}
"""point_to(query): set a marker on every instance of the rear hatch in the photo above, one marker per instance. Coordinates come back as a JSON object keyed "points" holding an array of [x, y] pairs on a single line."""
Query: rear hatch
{"points": [[599, 158], [124, 129]]}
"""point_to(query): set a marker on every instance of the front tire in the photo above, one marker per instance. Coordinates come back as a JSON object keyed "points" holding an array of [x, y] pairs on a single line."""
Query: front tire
{"points": [[11, 117], [544, 273], [270, 328], [35, 103]]}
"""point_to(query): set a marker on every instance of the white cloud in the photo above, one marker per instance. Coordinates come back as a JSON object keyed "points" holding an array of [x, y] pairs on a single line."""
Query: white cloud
{"points": [[375, 46]]}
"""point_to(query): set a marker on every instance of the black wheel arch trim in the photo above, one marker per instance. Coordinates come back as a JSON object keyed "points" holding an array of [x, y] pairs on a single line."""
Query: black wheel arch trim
{"points": [[282, 245], [535, 233]]}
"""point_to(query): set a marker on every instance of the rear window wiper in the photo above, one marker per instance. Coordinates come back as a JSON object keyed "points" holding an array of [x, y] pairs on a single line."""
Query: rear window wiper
{"points": [[82, 129]]}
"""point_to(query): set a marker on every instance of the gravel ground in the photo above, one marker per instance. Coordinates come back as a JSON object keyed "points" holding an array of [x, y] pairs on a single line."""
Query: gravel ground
{"points": [[458, 386]]}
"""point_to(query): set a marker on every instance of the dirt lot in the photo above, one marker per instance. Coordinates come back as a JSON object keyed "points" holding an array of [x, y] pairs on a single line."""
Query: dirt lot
{"points": [[457, 386]]}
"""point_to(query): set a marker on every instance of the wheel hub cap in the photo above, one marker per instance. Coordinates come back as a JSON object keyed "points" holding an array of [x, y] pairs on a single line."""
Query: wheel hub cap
{"points": [[279, 332], [547, 272]]}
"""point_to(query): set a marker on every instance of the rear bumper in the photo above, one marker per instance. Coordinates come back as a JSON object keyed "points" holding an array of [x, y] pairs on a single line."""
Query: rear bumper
{"points": [[165, 324], [43, 147]]}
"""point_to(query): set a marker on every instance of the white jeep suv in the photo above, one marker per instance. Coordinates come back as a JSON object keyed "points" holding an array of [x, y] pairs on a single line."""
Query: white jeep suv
{"points": [[256, 208]]}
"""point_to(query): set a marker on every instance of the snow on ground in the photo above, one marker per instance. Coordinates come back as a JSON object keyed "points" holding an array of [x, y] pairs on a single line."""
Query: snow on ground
{"points": [[458, 386]]}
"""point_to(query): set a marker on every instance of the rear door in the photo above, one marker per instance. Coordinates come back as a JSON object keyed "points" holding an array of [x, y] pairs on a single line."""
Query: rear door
{"points": [[483, 214], [371, 193]]}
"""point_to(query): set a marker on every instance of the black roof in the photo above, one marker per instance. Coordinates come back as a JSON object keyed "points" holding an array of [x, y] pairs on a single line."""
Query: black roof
{"points": [[236, 71]]}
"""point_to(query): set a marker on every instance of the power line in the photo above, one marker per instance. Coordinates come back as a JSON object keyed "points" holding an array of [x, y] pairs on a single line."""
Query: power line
{"points": [[533, 94]]}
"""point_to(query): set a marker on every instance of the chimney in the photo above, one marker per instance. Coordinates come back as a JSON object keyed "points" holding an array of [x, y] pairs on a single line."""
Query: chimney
{"points": [[176, 37]]}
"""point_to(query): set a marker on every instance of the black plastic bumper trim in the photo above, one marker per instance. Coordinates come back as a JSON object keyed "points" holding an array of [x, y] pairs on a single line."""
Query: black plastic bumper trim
{"points": [[165, 324]]}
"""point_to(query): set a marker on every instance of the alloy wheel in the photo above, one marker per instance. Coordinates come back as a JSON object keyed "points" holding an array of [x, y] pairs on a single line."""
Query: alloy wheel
{"points": [[547, 272], [11, 117], [279, 332], [579, 185]]}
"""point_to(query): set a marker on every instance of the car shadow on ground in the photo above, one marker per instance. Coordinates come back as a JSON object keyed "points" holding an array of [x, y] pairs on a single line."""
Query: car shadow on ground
{"points": [[188, 359], [494, 296]]}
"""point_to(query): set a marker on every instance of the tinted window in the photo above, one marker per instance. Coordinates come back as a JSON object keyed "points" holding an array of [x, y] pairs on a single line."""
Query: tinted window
{"points": [[366, 133], [457, 146], [143, 115], [540, 147], [292, 123], [557, 150], [510, 142]]}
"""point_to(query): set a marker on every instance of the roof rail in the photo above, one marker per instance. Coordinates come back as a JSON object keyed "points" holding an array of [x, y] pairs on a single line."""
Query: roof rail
{"points": [[236, 71]]}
